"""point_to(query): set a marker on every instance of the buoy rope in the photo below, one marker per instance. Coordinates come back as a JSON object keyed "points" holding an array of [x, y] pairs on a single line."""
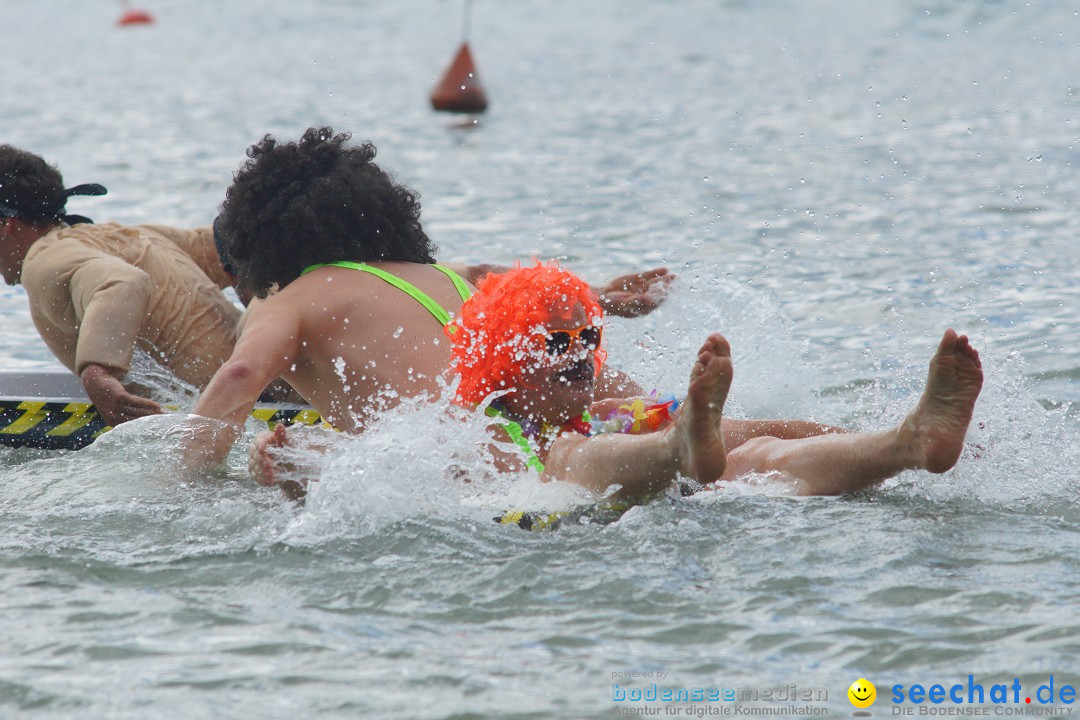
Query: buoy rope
{"points": [[467, 21]]}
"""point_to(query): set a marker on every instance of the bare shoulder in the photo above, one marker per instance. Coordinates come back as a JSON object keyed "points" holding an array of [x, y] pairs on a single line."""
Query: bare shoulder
{"points": [[310, 287], [262, 309], [330, 294], [270, 336], [273, 315]]}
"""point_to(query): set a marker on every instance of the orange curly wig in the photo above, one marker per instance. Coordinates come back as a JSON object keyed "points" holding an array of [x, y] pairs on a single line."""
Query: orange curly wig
{"points": [[502, 325]]}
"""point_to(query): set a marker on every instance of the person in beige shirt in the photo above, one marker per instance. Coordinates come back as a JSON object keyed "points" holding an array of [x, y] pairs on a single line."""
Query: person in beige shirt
{"points": [[99, 291]]}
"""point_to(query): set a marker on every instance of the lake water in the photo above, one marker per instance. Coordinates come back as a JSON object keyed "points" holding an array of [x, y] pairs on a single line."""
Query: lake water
{"points": [[835, 184]]}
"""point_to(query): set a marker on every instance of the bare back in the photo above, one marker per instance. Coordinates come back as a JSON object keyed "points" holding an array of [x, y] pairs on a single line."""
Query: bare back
{"points": [[363, 343]]}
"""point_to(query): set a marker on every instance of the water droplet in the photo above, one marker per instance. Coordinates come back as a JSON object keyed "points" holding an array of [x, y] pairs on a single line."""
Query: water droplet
{"points": [[397, 333]]}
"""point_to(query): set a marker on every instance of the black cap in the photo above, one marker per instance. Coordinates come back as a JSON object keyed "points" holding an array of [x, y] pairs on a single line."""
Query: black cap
{"points": [[7, 210]]}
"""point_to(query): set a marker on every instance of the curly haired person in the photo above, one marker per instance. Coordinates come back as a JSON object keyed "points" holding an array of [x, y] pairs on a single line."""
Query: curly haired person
{"points": [[352, 301]]}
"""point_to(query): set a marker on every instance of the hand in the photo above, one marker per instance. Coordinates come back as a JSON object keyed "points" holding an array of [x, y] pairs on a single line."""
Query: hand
{"points": [[635, 294], [114, 403], [261, 466], [266, 466]]}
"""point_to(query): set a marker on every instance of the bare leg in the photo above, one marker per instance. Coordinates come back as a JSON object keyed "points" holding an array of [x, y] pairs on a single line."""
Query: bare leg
{"points": [[692, 446], [736, 432], [930, 438]]}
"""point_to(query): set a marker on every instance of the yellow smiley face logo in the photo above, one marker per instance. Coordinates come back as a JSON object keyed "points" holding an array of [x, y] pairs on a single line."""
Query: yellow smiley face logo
{"points": [[862, 693]]}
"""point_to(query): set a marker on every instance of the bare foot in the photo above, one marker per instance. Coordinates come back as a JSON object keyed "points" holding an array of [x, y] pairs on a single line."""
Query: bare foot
{"points": [[939, 422], [699, 423]]}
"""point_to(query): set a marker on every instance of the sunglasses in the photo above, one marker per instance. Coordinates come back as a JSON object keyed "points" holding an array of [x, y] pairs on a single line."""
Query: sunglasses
{"points": [[559, 342]]}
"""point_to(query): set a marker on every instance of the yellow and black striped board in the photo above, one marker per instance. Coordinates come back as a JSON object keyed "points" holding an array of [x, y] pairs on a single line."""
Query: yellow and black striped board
{"points": [[69, 424], [72, 424], [48, 410], [50, 425]]}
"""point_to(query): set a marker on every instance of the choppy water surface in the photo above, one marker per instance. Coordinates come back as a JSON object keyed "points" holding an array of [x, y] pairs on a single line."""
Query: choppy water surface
{"points": [[836, 183]]}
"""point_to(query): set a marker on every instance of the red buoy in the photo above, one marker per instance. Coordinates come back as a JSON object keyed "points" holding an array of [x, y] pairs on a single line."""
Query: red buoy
{"points": [[460, 89], [135, 17]]}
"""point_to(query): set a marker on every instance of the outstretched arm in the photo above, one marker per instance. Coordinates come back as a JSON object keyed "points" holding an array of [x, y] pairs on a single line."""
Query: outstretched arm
{"points": [[635, 294], [629, 295], [111, 298], [268, 347]]}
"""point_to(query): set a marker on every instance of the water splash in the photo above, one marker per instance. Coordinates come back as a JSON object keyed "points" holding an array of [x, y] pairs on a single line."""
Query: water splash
{"points": [[773, 373], [339, 370], [159, 383], [423, 460]]}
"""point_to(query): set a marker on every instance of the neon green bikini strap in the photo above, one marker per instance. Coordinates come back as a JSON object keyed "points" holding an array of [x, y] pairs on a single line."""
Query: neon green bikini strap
{"points": [[459, 283], [517, 434], [405, 286]]}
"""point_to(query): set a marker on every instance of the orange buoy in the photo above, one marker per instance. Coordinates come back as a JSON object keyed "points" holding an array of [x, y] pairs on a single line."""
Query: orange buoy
{"points": [[135, 17], [460, 89]]}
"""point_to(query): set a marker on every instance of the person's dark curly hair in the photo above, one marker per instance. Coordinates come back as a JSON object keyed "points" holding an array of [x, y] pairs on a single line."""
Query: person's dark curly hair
{"points": [[30, 189], [315, 201]]}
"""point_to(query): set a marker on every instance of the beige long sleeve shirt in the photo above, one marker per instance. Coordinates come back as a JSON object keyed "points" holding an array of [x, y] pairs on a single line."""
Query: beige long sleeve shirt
{"points": [[97, 291]]}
